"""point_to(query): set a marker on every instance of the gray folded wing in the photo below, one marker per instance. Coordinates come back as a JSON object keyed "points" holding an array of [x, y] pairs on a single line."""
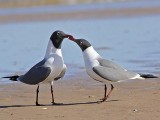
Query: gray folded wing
{"points": [[36, 74], [113, 74], [110, 64]]}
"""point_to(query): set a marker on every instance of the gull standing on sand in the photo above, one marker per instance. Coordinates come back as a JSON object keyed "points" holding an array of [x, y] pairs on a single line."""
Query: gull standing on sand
{"points": [[51, 68], [104, 70]]}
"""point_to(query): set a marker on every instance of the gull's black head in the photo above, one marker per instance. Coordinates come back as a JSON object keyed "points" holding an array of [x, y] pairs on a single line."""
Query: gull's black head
{"points": [[57, 38], [83, 44]]}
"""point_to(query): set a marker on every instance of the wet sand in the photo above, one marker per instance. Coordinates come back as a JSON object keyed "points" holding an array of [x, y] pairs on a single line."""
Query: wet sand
{"points": [[83, 14], [129, 101]]}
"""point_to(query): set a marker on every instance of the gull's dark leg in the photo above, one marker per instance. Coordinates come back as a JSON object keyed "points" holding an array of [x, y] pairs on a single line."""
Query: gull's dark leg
{"points": [[112, 87], [107, 96], [52, 94], [105, 93], [37, 96], [105, 89]]}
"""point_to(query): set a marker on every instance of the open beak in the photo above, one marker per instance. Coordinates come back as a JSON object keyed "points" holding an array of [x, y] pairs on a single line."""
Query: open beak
{"points": [[70, 37]]}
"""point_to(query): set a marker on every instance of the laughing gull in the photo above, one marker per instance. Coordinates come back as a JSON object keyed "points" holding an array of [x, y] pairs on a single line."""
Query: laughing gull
{"points": [[51, 68], [103, 70]]}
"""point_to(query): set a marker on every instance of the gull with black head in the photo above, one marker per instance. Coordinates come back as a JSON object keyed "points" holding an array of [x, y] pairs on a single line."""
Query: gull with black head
{"points": [[51, 68], [104, 70]]}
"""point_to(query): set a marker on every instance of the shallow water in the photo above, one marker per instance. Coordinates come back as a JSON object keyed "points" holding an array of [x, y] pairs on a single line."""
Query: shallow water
{"points": [[131, 42]]}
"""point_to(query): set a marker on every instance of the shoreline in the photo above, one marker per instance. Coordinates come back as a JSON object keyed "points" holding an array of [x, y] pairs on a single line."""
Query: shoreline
{"points": [[78, 13], [129, 100], [29, 3]]}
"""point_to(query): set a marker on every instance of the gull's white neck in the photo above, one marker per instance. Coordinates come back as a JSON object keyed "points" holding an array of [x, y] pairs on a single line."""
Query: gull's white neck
{"points": [[90, 55], [51, 50]]}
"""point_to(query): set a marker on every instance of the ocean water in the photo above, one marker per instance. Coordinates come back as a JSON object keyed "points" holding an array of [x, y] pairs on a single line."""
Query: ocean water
{"points": [[133, 42]]}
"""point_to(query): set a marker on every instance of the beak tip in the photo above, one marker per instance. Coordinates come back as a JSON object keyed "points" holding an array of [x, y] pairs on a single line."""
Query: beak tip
{"points": [[71, 37]]}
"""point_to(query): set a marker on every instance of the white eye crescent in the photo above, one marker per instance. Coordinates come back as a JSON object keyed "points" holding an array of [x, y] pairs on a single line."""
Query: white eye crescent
{"points": [[58, 33], [81, 43]]}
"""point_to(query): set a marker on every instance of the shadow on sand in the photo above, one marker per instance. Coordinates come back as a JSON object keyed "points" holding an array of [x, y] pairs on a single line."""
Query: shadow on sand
{"points": [[58, 104]]}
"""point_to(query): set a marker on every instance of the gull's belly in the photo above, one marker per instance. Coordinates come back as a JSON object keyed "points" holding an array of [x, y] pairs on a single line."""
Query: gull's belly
{"points": [[56, 66]]}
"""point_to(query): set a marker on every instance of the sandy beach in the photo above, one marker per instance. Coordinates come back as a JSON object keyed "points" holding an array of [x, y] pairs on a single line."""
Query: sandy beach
{"points": [[138, 100], [133, 100]]}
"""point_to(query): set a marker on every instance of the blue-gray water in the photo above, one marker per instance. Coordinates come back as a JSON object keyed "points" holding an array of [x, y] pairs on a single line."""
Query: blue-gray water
{"points": [[132, 42], [81, 7]]}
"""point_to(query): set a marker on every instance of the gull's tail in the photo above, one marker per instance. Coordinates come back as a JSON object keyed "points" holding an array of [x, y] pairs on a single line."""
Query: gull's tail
{"points": [[148, 76], [12, 78]]}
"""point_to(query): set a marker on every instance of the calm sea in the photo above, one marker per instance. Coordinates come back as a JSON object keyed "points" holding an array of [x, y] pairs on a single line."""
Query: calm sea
{"points": [[132, 42]]}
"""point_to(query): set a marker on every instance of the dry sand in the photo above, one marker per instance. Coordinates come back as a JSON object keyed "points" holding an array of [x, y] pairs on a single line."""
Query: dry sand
{"points": [[138, 100]]}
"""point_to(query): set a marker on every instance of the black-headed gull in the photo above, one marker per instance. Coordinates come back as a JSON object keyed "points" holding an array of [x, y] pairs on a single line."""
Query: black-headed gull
{"points": [[104, 70], [51, 68]]}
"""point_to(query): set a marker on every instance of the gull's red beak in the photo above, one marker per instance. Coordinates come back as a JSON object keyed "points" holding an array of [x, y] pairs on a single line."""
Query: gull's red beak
{"points": [[71, 37]]}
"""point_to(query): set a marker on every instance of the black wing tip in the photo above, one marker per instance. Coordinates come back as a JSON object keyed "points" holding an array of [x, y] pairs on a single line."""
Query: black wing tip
{"points": [[13, 78], [6, 77], [148, 76]]}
